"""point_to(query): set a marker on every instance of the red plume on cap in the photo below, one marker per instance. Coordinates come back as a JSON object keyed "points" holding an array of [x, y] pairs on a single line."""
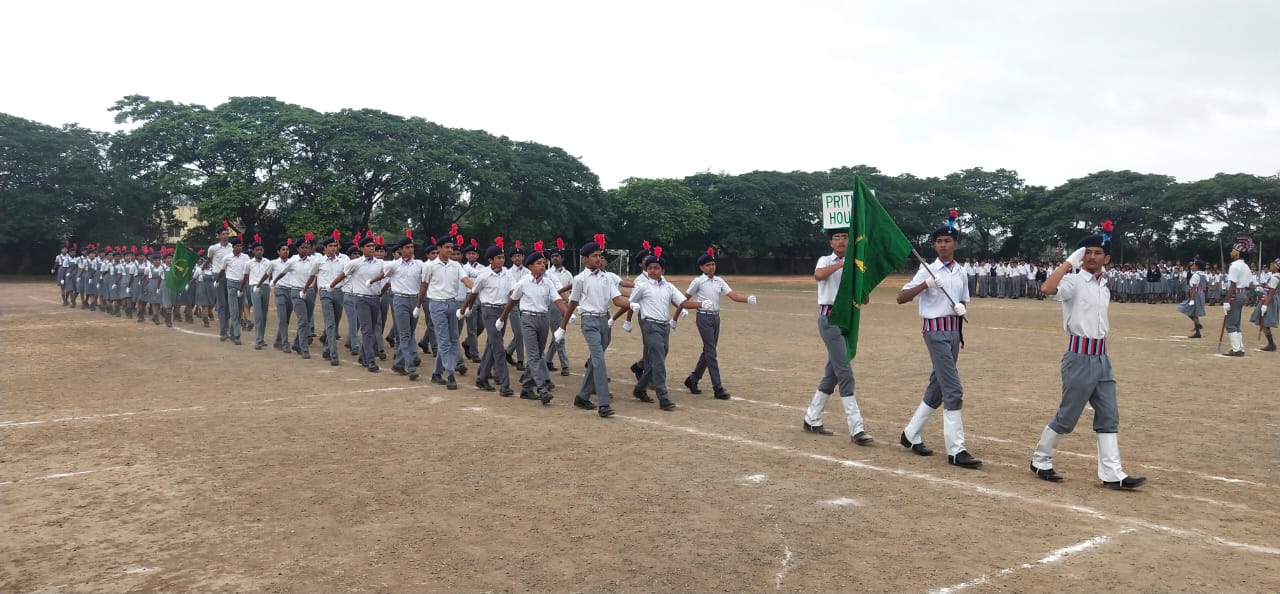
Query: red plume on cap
{"points": [[537, 246], [953, 214], [356, 239], [599, 239], [517, 244], [336, 234], [474, 243], [408, 233], [559, 243], [288, 241], [257, 238], [1108, 226], [645, 244], [711, 251], [657, 251], [308, 236], [75, 246], [378, 241], [134, 249], [240, 236], [498, 242], [458, 240], [225, 224], [433, 241], [453, 229], [201, 252], [368, 233]]}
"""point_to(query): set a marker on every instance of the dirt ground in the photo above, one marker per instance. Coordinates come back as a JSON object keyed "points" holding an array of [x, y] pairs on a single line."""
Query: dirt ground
{"points": [[142, 458]]}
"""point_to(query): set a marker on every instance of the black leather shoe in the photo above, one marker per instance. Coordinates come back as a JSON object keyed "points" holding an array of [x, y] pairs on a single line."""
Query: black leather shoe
{"points": [[451, 384], [436, 379], [666, 404], [506, 393], [964, 460], [551, 366], [333, 362], [641, 395], [510, 359], [519, 365], [919, 448], [583, 404], [722, 395], [1129, 482], [399, 370], [1268, 349], [564, 371], [528, 394], [692, 385], [413, 377], [637, 369], [382, 355], [1047, 474], [819, 429], [862, 438], [545, 398], [374, 368], [605, 411], [484, 386], [461, 369]]}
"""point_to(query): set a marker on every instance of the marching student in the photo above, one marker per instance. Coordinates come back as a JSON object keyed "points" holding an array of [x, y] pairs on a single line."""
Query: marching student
{"points": [[219, 293], [404, 277], [592, 291], [294, 276], [234, 276], [473, 269], [516, 347], [204, 288], [168, 299], [61, 266], [282, 292], [440, 277], [708, 288], [1239, 279], [1086, 368], [942, 290], [651, 300], [364, 274], [382, 288], [155, 301], [556, 272], [1266, 315], [327, 269], [259, 291], [349, 305], [492, 288], [1194, 306], [838, 371], [535, 293]]}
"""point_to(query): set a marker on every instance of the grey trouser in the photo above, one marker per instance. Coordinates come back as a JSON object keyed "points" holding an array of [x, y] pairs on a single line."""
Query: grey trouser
{"points": [[517, 339], [261, 299], [367, 307], [380, 322], [654, 334], [406, 324], [446, 336], [474, 327], [220, 301], [493, 363], [284, 310], [353, 329], [1238, 300], [709, 330], [1087, 379], [303, 305], [535, 338], [838, 370], [597, 334], [553, 322], [225, 311], [331, 307], [944, 381]]}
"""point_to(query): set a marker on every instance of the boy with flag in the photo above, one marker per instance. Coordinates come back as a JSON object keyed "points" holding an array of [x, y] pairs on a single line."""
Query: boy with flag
{"points": [[844, 285], [942, 289]]}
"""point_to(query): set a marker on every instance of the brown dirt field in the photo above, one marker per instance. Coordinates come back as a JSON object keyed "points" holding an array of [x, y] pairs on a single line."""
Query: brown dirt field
{"points": [[145, 459]]}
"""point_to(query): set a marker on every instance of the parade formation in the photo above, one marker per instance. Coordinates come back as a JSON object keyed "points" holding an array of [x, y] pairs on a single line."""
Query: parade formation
{"points": [[471, 296]]}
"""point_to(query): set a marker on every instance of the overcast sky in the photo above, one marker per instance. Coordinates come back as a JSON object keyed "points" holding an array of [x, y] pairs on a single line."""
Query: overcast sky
{"points": [[1055, 90]]}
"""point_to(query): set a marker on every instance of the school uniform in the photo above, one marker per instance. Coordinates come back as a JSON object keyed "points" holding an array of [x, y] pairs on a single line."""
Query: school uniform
{"points": [[516, 348], [651, 300], [216, 254], [405, 277], [327, 270], [563, 278], [492, 288], [536, 295], [234, 268], [708, 290], [442, 279], [838, 371], [259, 297], [283, 293], [367, 304], [594, 290], [297, 270]]}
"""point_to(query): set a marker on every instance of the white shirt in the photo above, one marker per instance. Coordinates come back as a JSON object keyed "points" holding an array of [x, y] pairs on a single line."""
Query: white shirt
{"points": [[653, 297], [561, 275], [471, 270], [593, 290], [518, 273], [300, 270], [329, 269], [1085, 300], [708, 289], [535, 294], [277, 266], [1240, 274], [442, 279], [257, 268], [932, 303], [405, 276], [492, 287], [235, 266], [828, 288], [215, 253], [362, 270]]}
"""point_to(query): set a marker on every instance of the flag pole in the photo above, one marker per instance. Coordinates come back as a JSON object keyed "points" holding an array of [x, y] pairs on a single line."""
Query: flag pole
{"points": [[931, 275]]}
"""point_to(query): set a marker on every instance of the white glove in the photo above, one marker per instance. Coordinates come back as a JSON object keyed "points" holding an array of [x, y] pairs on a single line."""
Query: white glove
{"points": [[498, 324], [239, 294], [113, 286], [1226, 308], [626, 326], [933, 282], [558, 334], [370, 283], [417, 311], [609, 323], [61, 283], [215, 284], [573, 318], [459, 314], [254, 289], [751, 299], [126, 290], [1262, 310], [635, 307], [1191, 302], [1076, 259], [959, 309], [684, 313], [672, 323]]}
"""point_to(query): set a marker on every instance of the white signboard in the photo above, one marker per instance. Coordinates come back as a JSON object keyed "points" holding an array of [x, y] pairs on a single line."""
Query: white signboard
{"points": [[835, 209]]}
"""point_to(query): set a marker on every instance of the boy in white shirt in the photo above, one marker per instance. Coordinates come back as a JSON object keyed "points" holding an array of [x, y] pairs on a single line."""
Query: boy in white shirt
{"points": [[651, 299]]}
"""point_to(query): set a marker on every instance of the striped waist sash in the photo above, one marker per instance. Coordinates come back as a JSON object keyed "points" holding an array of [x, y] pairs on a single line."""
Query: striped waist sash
{"points": [[1087, 346], [824, 310], [942, 324]]}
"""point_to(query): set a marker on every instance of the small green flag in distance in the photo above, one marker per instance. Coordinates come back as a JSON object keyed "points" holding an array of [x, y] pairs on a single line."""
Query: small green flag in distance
{"points": [[184, 262], [876, 248]]}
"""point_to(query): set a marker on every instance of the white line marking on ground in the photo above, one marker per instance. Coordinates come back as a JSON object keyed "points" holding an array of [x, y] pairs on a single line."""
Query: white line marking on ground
{"points": [[140, 570], [60, 475], [763, 369], [929, 478], [478, 409], [184, 330], [5, 424], [842, 502], [786, 558], [1051, 558], [752, 479]]}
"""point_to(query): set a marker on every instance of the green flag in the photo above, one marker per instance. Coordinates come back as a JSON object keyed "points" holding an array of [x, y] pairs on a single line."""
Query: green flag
{"points": [[876, 247], [184, 261]]}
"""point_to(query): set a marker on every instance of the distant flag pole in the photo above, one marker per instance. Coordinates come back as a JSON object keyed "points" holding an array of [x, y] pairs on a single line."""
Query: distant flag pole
{"points": [[876, 248]]}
